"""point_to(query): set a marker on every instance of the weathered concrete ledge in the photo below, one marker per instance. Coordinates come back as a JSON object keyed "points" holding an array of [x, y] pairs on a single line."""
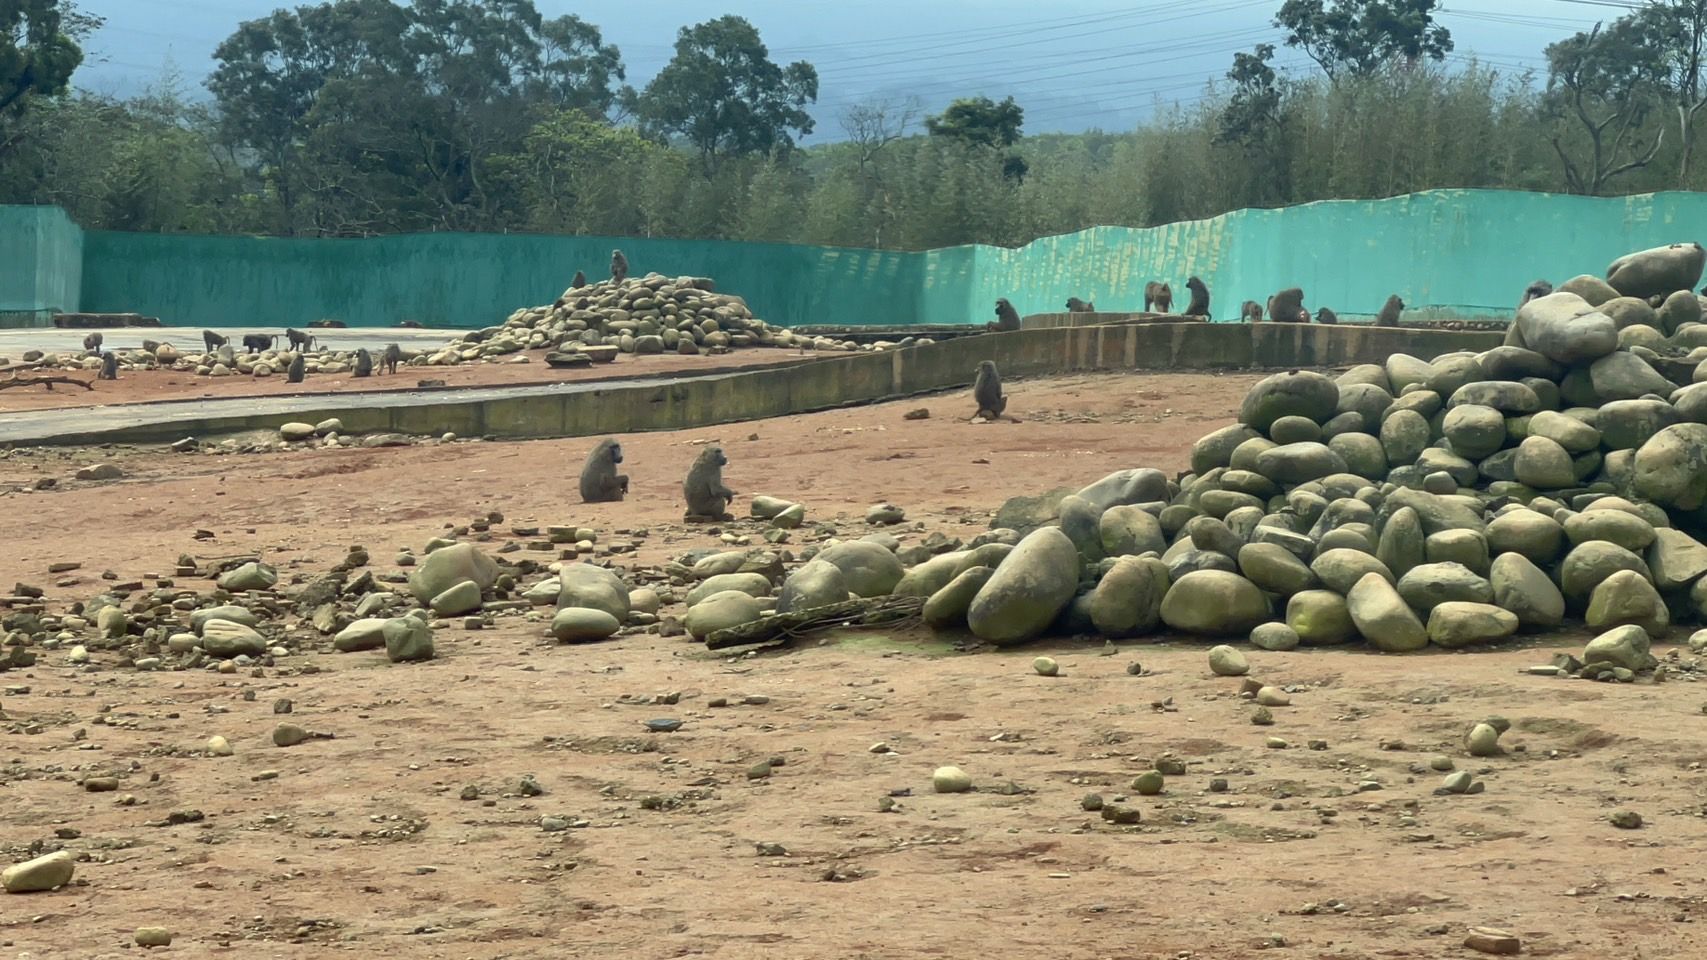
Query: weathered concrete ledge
{"points": [[589, 409]]}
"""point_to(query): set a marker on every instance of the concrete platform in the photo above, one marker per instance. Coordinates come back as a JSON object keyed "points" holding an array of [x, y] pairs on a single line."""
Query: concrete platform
{"points": [[13, 343]]}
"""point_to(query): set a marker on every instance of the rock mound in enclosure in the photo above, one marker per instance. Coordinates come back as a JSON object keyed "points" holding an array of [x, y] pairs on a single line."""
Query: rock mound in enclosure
{"points": [[1451, 501], [639, 315]]}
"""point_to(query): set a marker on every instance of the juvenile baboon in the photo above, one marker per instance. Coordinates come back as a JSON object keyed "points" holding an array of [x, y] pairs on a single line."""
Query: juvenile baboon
{"points": [[618, 266], [213, 340], [579, 281], [109, 366], [1251, 312], [1535, 291], [364, 363], [296, 370], [1199, 305], [1007, 318], [1327, 316], [256, 342], [600, 483], [1075, 305], [1158, 297], [92, 342], [1287, 306], [987, 391], [706, 496], [390, 358], [298, 340], [1390, 311]]}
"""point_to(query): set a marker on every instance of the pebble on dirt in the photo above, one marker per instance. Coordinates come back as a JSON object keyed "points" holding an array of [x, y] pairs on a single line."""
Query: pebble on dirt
{"points": [[950, 780], [41, 874]]}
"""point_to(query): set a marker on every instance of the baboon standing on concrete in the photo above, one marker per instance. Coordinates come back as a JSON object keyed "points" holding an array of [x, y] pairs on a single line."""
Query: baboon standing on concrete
{"points": [[213, 341], [1075, 305], [1251, 312], [92, 342], [600, 483], [1199, 305]]}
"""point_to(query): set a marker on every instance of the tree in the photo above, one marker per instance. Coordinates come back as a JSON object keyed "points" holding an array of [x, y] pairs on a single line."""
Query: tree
{"points": [[1606, 81], [1357, 37], [979, 121], [1252, 120], [870, 129], [1678, 30], [577, 175], [38, 51], [722, 94]]}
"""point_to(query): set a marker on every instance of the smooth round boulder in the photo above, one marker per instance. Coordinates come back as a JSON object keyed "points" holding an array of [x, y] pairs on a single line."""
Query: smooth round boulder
{"points": [[1404, 370], [1300, 393], [1429, 585], [1320, 618], [1138, 485], [408, 640], [1405, 435], [1671, 467], [1299, 462], [819, 584], [1629, 312], [1544, 465], [1215, 449], [752, 584], [1630, 424], [1625, 646], [1626, 597], [1225, 661], [1366, 400], [1517, 363], [1340, 569], [1028, 590], [1682, 307], [365, 634], [1275, 569], [583, 625], [448, 566], [1401, 545], [1383, 618], [1567, 431], [1614, 526], [1509, 398], [870, 569], [947, 607], [1588, 564], [1590, 288], [1456, 624], [720, 611], [223, 638], [1439, 513], [1214, 603], [1293, 429], [1621, 375], [1524, 589], [460, 599], [1565, 328], [588, 585], [1452, 372], [1361, 453], [1658, 271], [1127, 601], [1676, 559], [1129, 530], [1474, 430], [1276, 637]]}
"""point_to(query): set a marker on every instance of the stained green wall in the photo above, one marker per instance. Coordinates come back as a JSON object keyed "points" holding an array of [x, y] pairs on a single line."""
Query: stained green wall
{"points": [[1468, 252]]}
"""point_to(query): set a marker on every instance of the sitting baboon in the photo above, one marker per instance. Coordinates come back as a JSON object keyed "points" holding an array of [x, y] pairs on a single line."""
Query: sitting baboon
{"points": [[296, 370], [92, 342], [1390, 311], [1007, 318], [618, 266], [1075, 305], [109, 366], [255, 342], [703, 489], [1535, 291], [1287, 306], [1199, 305], [299, 340], [391, 357], [1251, 312], [987, 391], [579, 281], [364, 363], [1327, 316], [213, 340], [600, 483], [1158, 297]]}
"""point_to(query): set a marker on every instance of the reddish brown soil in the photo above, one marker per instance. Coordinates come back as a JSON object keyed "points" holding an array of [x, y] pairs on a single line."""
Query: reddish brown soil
{"points": [[144, 385], [361, 846]]}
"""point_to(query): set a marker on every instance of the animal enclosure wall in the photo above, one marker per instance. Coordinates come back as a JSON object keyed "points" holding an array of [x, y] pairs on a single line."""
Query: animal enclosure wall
{"points": [[1468, 252]]}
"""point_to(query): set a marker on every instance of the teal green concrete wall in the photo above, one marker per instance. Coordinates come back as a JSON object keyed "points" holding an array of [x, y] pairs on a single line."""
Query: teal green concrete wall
{"points": [[1468, 252], [41, 261]]}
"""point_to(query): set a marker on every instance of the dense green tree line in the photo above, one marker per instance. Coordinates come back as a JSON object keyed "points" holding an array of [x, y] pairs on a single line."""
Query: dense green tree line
{"points": [[365, 117]]}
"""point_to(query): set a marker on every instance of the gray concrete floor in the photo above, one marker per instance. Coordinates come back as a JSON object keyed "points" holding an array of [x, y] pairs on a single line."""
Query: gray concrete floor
{"points": [[13, 343]]}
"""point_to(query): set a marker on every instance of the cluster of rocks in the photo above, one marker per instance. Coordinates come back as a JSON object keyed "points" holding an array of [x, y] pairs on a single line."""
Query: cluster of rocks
{"points": [[226, 361], [653, 314], [1452, 501]]}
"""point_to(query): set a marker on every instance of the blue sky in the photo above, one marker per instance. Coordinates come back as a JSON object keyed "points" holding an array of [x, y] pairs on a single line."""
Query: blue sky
{"points": [[1081, 64]]}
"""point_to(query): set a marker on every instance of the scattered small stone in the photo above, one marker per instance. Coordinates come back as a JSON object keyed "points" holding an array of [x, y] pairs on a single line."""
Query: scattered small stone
{"points": [[153, 937], [1276, 743], [1134, 669], [1120, 813], [529, 787], [759, 771], [1046, 666], [101, 784], [1484, 741], [1148, 783], [1091, 801], [41, 874], [1226, 661], [950, 780], [288, 735], [664, 725], [1273, 697], [218, 747], [1441, 763], [1218, 785], [1625, 819], [1262, 717], [1457, 782], [1490, 940]]}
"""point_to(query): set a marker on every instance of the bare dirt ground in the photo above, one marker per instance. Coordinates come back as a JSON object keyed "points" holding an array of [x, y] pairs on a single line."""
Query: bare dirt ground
{"points": [[361, 845], [139, 386]]}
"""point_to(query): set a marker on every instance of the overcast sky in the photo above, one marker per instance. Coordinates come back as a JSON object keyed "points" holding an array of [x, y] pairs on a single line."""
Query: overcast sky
{"points": [[1083, 64]]}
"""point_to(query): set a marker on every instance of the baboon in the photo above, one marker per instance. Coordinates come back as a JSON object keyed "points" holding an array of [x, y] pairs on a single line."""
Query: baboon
{"points": [[298, 340], [1007, 318], [987, 391], [1251, 312], [1287, 306], [618, 266], [1327, 316], [390, 358], [92, 342], [364, 363], [1075, 305], [579, 281], [1199, 305], [413, 324], [328, 325], [1535, 291], [256, 342], [109, 366], [600, 483], [1158, 297], [151, 345], [296, 370], [1389, 315], [706, 496], [213, 341]]}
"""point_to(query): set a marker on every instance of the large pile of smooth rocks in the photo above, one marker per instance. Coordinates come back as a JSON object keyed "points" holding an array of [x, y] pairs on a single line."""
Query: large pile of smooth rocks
{"points": [[226, 361], [1452, 501], [653, 314]]}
